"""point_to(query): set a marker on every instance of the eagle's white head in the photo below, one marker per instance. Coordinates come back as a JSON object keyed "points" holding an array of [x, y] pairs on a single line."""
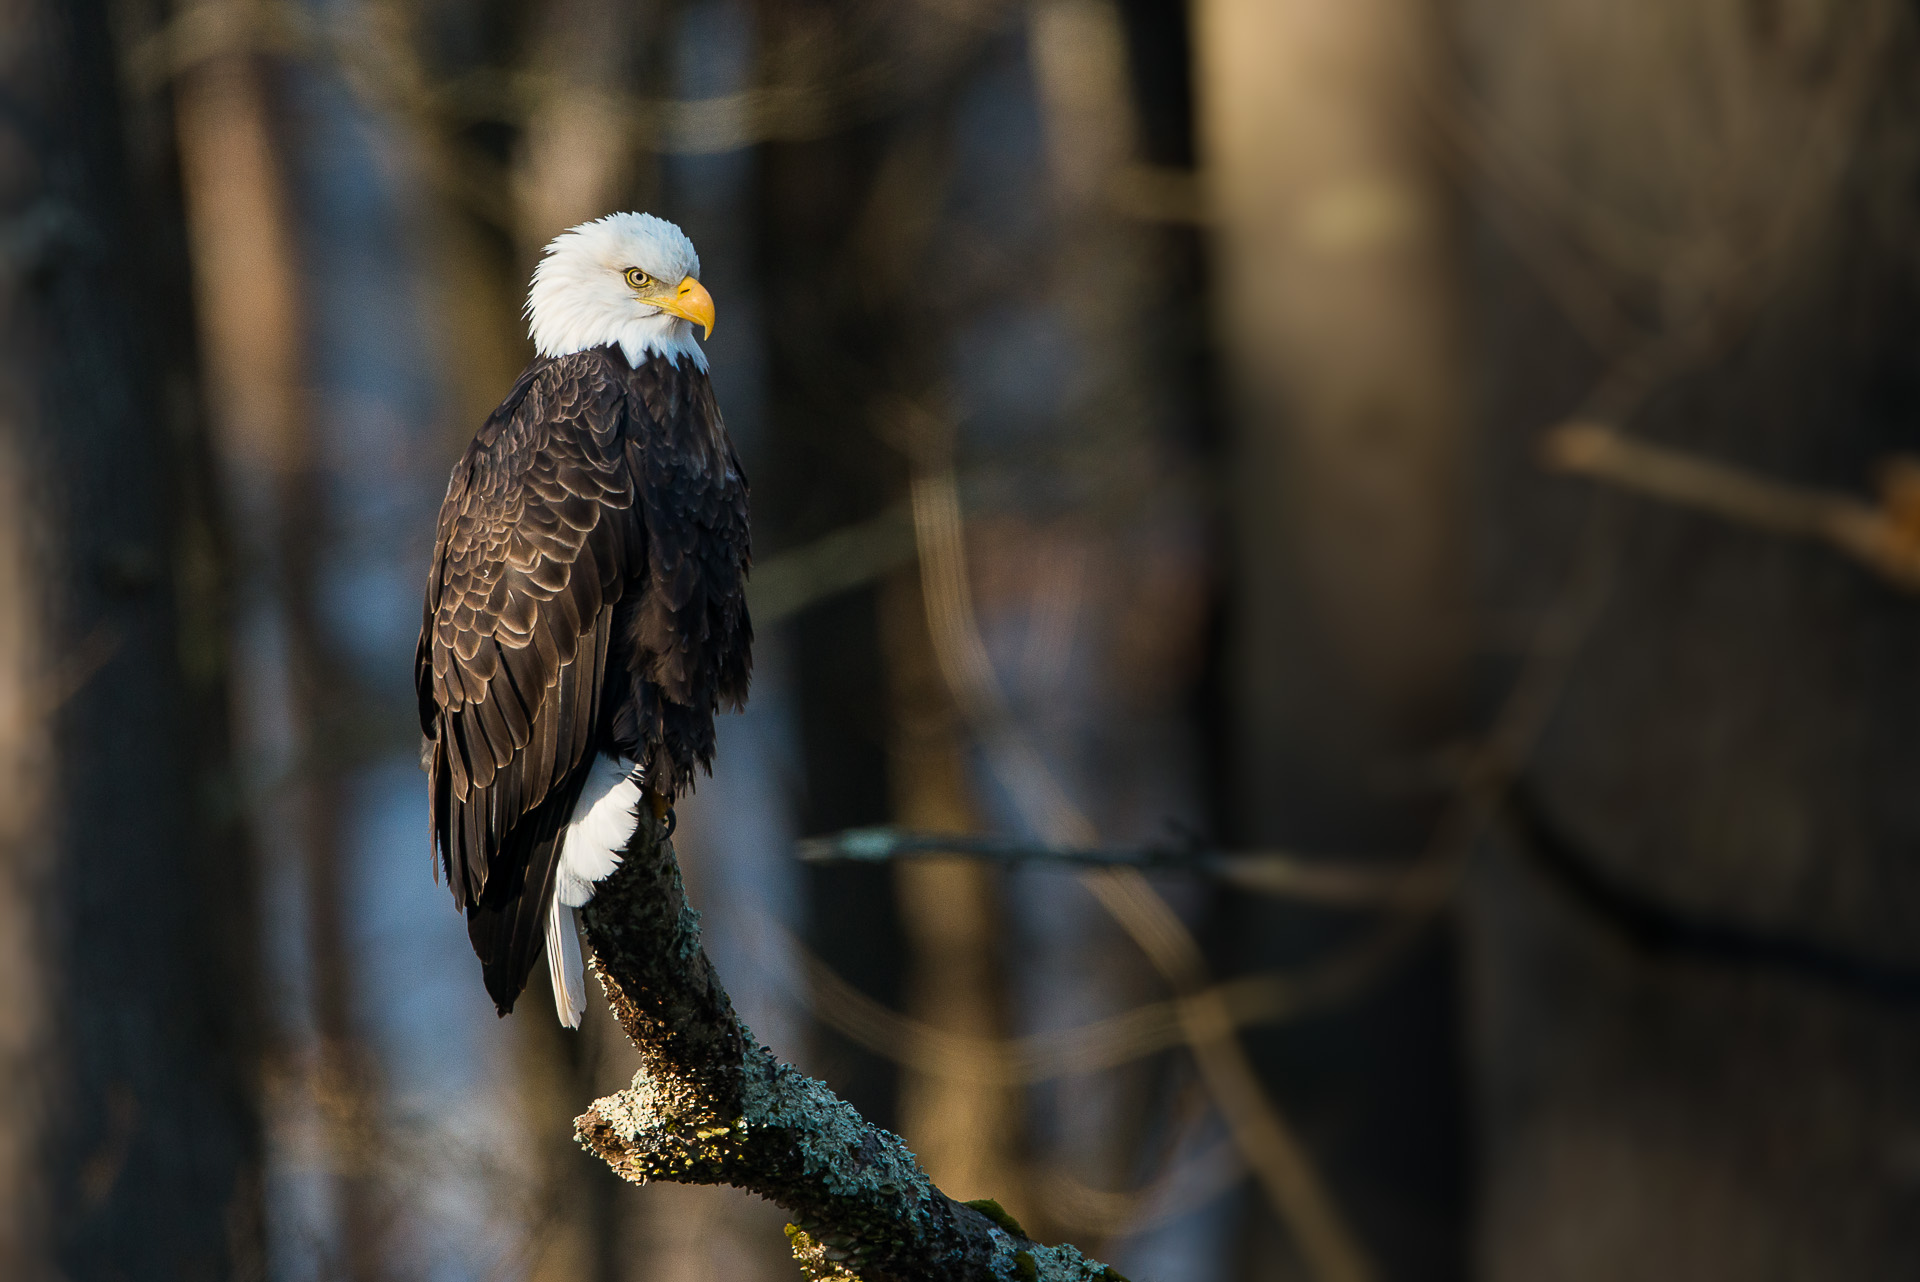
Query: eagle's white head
{"points": [[630, 279]]}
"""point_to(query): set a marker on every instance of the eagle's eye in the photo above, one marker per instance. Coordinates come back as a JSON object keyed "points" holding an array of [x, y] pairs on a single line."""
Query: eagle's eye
{"points": [[637, 278]]}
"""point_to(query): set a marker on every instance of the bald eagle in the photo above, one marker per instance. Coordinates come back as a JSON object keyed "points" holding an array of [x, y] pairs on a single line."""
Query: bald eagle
{"points": [[585, 617]]}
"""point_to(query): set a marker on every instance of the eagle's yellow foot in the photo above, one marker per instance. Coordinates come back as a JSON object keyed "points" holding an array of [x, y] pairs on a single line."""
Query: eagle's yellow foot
{"points": [[662, 807]]}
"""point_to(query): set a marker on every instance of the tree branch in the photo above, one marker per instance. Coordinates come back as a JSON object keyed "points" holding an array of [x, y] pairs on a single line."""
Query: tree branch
{"points": [[711, 1106], [1886, 536], [1331, 882]]}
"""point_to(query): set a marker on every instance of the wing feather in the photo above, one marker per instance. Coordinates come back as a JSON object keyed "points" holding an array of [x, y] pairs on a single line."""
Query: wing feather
{"points": [[455, 755], [505, 694], [493, 728], [537, 539]]}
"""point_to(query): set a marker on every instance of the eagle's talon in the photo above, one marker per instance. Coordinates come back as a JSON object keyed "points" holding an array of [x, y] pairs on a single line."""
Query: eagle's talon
{"points": [[662, 807]]}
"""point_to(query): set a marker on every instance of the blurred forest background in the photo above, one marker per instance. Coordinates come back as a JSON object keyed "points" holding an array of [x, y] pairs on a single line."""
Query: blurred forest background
{"points": [[1428, 478]]}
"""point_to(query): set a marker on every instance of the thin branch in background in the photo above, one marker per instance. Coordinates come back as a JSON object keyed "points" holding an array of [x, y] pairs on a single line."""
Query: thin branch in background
{"points": [[76, 668], [1752, 203], [1331, 882], [1178, 1173], [790, 107], [836, 562], [1495, 765], [1885, 536], [1182, 1188], [1662, 928], [374, 52], [1256, 1000]]}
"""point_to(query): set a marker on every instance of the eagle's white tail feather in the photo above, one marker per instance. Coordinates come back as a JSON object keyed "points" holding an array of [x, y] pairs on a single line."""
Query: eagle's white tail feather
{"points": [[564, 963], [602, 823]]}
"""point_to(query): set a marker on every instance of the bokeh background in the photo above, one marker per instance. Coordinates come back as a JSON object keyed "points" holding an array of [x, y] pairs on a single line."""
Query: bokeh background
{"points": [[1431, 476]]}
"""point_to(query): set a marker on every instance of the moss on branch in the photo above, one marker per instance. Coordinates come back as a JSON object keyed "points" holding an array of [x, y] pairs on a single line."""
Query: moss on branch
{"points": [[711, 1106]]}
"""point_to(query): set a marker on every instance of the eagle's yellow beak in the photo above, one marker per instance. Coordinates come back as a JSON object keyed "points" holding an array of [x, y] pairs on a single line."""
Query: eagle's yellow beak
{"points": [[690, 301]]}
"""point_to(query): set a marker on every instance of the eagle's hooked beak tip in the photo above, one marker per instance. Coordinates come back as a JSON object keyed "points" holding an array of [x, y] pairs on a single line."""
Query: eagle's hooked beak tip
{"points": [[691, 302]]}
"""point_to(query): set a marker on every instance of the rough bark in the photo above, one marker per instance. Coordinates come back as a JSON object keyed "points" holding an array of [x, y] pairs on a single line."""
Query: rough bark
{"points": [[710, 1106]]}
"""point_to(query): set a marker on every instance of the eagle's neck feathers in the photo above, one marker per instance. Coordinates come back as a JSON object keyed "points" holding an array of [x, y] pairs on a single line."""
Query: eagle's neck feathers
{"points": [[566, 324]]}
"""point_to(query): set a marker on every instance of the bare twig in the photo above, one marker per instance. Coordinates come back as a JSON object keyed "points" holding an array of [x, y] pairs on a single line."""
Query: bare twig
{"points": [[710, 1106], [371, 55], [1884, 537], [839, 561], [1179, 1190], [1260, 999], [1340, 883]]}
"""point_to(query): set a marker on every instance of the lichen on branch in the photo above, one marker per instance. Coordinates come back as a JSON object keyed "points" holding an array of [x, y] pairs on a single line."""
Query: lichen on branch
{"points": [[709, 1105]]}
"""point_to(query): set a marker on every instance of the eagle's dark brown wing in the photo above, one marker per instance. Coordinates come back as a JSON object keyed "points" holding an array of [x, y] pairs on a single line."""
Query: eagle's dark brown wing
{"points": [[539, 538]]}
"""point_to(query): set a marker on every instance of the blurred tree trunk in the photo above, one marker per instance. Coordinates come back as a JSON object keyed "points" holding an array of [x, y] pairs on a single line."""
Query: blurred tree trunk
{"points": [[129, 1128], [1348, 621], [248, 278], [1100, 582], [850, 232], [964, 1131], [27, 855], [1739, 743], [580, 157], [827, 468]]}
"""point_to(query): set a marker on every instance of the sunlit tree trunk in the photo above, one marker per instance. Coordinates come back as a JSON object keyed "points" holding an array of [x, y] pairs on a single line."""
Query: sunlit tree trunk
{"points": [[1337, 312], [963, 1126], [129, 1133], [26, 859], [1348, 605]]}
